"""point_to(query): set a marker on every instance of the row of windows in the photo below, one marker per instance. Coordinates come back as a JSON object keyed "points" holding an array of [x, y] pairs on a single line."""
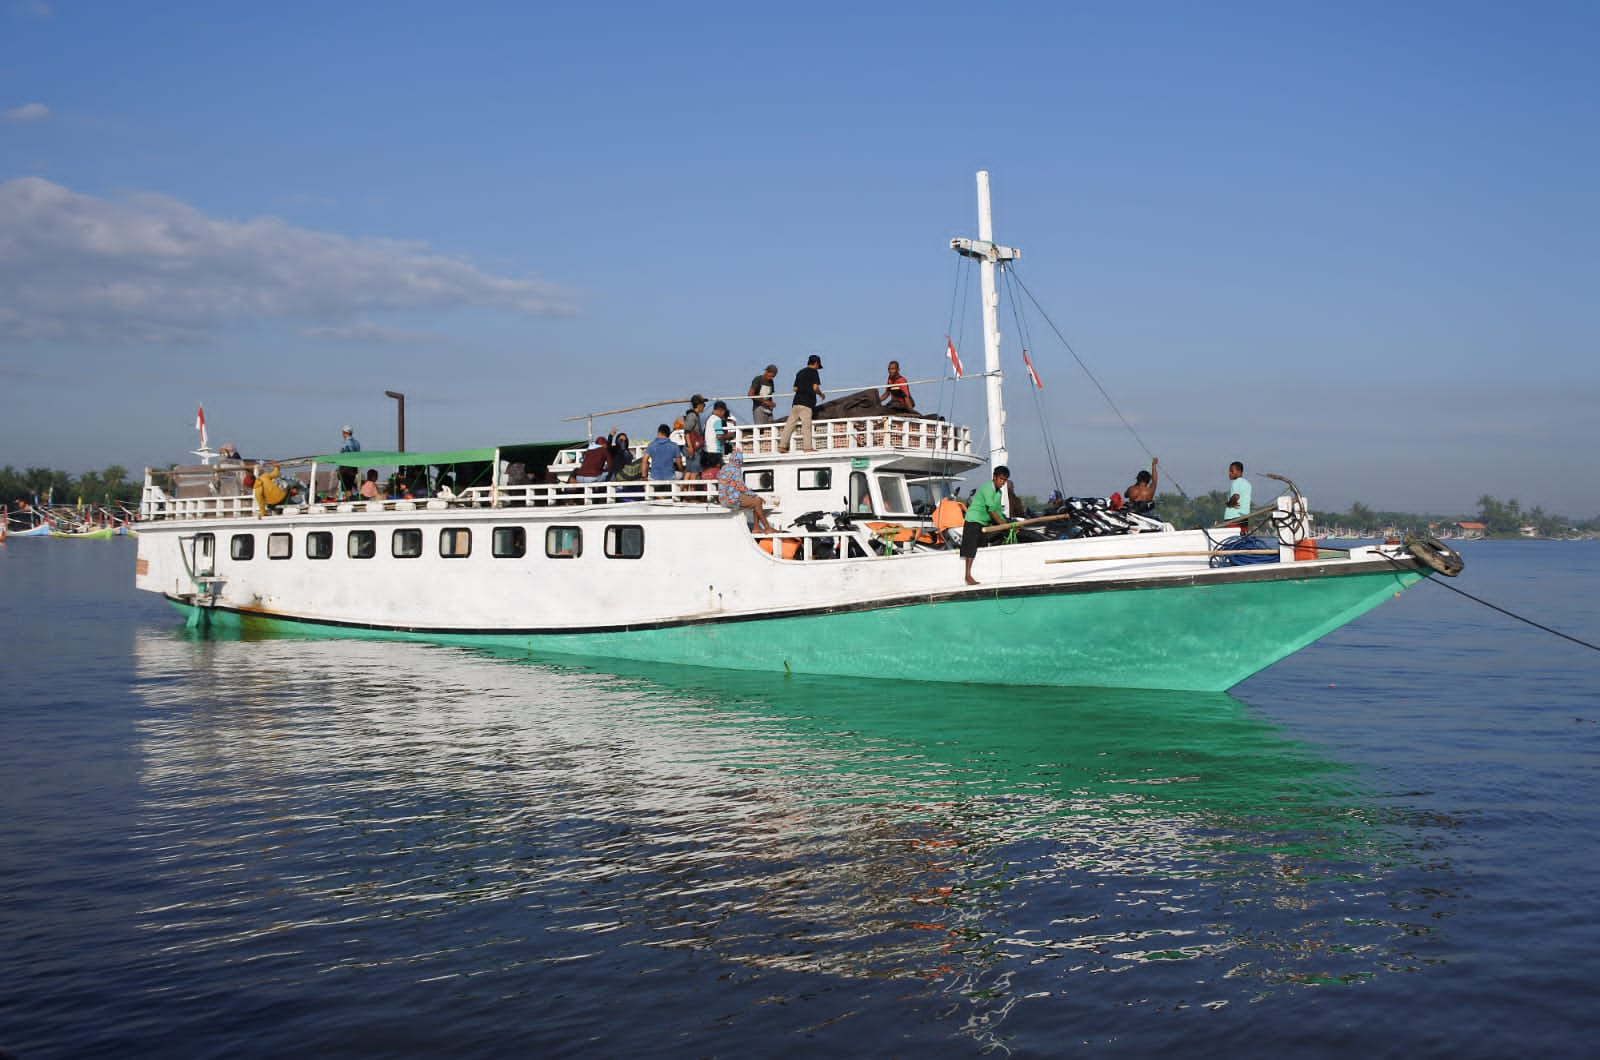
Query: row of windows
{"points": [[455, 542]]}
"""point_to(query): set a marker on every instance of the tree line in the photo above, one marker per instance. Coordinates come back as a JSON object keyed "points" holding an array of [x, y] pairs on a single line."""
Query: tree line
{"points": [[44, 485]]}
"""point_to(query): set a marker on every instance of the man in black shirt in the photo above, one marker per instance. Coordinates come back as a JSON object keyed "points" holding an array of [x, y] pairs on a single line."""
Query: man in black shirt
{"points": [[807, 392]]}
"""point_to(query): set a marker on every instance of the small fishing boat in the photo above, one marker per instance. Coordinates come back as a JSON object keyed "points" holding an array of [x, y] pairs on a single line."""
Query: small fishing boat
{"points": [[514, 554]]}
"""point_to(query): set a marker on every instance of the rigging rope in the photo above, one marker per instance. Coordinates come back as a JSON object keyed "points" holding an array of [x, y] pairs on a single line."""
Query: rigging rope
{"points": [[1007, 277]]}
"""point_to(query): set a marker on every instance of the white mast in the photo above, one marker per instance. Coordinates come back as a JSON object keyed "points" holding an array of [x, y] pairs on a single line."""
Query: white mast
{"points": [[988, 252]]}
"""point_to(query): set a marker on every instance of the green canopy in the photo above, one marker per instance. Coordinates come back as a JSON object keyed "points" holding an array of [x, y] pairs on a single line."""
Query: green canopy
{"points": [[530, 453]]}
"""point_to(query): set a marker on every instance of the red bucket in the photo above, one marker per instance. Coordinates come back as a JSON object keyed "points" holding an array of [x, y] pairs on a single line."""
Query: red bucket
{"points": [[1306, 549]]}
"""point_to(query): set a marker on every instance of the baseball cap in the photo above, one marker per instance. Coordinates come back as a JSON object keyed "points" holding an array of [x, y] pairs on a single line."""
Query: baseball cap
{"points": [[814, 359]]}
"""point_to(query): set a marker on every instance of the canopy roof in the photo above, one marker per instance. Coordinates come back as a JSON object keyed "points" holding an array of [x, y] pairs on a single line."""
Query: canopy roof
{"points": [[531, 453]]}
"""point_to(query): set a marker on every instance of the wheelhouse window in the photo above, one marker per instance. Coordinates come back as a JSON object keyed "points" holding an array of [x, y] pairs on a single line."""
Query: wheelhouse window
{"points": [[280, 546], [563, 542], [406, 544], [205, 554], [455, 542], [361, 544], [319, 545], [509, 542], [242, 546], [860, 495], [815, 478], [892, 488], [624, 542]]}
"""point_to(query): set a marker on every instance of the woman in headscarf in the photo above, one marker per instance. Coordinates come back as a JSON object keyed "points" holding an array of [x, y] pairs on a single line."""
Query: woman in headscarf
{"points": [[733, 493]]}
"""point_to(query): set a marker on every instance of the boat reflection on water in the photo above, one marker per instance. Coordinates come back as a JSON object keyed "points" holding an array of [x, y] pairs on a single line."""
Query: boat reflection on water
{"points": [[994, 843]]}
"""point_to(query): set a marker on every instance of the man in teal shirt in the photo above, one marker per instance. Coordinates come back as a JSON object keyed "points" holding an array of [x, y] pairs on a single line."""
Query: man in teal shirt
{"points": [[988, 505], [1238, 505]]}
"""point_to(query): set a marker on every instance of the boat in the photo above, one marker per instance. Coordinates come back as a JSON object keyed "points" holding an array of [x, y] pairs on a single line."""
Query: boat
{"points": [[97, 533], [512, 554]]}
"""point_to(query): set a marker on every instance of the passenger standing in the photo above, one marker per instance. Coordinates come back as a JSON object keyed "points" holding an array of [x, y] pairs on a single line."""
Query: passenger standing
{"points": [[807, 392], [761, 400], [988, 506], [592, 465], [1237, 510], [694, 438], [716, 430], [662, 459], [347, 475]]}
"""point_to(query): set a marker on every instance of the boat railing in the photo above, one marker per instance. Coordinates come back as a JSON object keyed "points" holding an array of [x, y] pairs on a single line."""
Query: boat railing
{"points": [[551, 494], [911, 433]]}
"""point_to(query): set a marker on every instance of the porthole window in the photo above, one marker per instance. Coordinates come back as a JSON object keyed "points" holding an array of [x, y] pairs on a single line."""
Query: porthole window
{"points": [[510, 542], [563, 542], [243, 546], [361, 544], [319, 545], [624, 542], [816, 478], [760, 481], [280, 546], [406, 544], [455, 542]]}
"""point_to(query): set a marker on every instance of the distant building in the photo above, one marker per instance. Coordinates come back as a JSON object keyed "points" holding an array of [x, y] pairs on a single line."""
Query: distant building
{"points": [[1473, 530]]}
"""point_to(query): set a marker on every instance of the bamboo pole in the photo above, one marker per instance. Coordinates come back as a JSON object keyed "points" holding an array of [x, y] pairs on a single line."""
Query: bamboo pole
{"points": [[998, 527], [1164, 555]]}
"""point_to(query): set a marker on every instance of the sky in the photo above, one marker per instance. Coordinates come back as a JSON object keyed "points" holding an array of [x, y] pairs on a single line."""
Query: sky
{"points": [[1356, 244]]}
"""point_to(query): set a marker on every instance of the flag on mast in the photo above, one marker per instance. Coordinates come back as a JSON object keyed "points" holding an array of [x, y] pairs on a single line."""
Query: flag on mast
{"points": [[1031, 373], [950, 351], [200, 425]]}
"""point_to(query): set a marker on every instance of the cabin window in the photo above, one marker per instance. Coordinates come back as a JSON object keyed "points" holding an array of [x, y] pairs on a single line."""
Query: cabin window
{"points": [[319, 545], [455, 542], [280, 546], [624, 542], [361, 544], [860, 495], [563, 542], [892, 488], [815, 478], [205, 554], [243, 546], [510, 542], [760, 481], [406, 544]]}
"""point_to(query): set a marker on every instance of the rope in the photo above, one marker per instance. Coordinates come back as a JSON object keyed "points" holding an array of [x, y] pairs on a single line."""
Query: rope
{"points": [[1038, 402], [1513, 614]]}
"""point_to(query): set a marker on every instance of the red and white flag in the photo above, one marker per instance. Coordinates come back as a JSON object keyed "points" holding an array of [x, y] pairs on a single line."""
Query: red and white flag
{"points": [[200, 425], [1031, 373], [950, 349]]}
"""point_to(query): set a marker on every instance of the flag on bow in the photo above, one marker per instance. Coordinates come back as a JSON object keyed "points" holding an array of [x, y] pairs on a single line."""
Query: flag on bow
{"points": [[200, 425], [950, 350], [1031, 373]]}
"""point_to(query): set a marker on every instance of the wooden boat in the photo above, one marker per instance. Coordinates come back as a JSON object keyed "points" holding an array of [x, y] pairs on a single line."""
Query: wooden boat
{"points": [[662, 572]]}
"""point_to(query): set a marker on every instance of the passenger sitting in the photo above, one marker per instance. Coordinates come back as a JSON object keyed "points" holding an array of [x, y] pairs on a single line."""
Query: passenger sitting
{"points": [[370, 489], [733, 492], [595, 460]]}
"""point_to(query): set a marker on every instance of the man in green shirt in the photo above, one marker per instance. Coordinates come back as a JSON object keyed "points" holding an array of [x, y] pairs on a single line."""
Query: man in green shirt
{"points": [[988, 505]]}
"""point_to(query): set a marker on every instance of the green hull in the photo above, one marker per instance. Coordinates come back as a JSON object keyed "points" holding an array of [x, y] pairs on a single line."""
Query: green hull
{"points": [[1203, 637]]}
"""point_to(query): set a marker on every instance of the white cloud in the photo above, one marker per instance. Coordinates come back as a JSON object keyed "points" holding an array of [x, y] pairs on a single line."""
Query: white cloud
{"points": [[28, 112], [367, 331], [31, 8], [153, 269]]}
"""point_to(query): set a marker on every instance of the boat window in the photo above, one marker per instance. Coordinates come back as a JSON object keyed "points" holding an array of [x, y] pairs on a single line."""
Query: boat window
{"points": [[760, 481], [319, 545], [816, 478], [510, 542], [926, 495], [455, 542], [563, 542], [406, 544], [624, 542], [860, 495], [361, 544], [280, 546], [243, 546], [892, 488]]}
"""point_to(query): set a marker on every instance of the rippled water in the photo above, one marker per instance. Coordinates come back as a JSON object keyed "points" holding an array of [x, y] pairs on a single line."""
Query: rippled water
{"points": [[1382, 846]]}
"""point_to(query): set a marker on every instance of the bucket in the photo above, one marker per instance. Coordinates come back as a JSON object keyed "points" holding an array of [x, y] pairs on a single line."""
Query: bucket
{"points": [[1306, 549]]}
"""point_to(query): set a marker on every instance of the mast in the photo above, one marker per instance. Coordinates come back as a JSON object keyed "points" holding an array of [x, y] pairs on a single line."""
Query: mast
{"points": [[988, 253]]}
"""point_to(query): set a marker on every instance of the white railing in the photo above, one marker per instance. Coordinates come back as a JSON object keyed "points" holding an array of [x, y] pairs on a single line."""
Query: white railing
{"points": [[862, 432]]}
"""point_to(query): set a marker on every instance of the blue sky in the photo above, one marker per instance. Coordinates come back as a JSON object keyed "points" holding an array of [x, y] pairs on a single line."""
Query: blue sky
{"points": [[1355, 244]]}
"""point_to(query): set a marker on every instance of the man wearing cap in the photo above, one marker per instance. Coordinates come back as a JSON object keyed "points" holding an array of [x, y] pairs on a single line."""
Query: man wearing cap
{"points": [[807, 392], [347, 475], [761, 400], [594, 462]]}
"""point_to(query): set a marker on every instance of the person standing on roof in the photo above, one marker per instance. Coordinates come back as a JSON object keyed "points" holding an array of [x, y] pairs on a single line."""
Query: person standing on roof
{"points": [[347, 475], [807, 392], [761, 400]]}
